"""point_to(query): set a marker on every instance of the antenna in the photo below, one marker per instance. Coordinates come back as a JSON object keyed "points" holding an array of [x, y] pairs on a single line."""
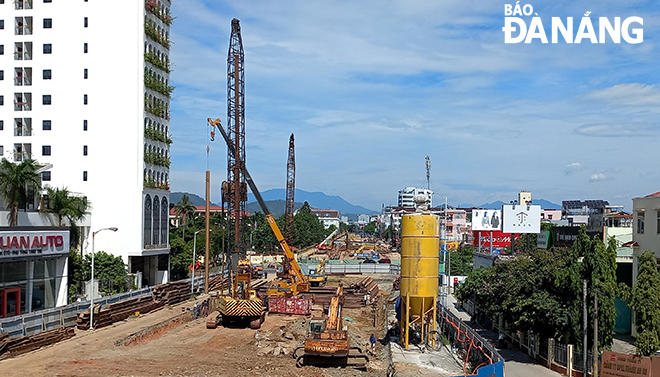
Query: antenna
{"points": [[428, 172]]}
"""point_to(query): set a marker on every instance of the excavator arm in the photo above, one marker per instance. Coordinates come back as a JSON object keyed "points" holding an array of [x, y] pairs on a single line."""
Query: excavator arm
{"points": [[288, 254]]}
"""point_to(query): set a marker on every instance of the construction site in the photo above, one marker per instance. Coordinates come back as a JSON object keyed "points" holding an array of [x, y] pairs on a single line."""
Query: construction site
{"points": [[294, 323]]}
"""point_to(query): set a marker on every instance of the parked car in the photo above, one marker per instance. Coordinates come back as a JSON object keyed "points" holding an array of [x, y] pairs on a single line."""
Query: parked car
{"points": [[369, 261], [385, 260]]}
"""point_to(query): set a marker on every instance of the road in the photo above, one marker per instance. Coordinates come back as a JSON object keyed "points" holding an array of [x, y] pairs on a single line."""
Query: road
{"points": [[516, 362]]}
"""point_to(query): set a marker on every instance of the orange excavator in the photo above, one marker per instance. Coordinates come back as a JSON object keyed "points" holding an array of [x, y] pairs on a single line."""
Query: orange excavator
{"points": [[327, 342]]}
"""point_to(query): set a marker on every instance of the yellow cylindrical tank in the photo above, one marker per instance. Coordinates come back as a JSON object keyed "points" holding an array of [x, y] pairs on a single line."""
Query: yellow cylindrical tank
{"points": [[420, 240]]}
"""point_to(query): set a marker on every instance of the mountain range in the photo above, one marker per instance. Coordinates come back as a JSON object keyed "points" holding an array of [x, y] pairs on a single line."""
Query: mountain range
{"points": [[274, 199]]}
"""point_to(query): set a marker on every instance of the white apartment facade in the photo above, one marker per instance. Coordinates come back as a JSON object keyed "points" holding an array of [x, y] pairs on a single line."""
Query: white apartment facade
{"points": [[85, 90], [407, 194]]}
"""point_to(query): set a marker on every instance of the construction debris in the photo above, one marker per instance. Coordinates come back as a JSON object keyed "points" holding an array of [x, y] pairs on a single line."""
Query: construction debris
{"points": [[117, 311]]}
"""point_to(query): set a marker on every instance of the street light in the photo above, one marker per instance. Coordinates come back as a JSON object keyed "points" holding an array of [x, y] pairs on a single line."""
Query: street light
{"points": [[192, 282], [91, 301]]}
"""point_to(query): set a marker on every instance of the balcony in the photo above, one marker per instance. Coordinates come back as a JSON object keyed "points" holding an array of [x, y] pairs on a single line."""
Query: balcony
{"points": [[22, 156], [22, 4]]}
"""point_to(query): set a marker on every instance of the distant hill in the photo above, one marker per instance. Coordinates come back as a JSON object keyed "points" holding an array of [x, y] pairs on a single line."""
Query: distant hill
{"points": [[276, 207], [316, 200], [195, 199]]}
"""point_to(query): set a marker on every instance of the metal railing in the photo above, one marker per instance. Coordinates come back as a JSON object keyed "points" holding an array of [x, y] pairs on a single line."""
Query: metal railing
{"points": [[561, 354], [578, 360], [487, 349]]}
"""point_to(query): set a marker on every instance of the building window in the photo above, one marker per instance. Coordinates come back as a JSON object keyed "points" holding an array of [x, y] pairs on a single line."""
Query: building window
{"points": [[47, 74], [84, 99], [2, 24], [156, 222], [2, 49], [147, 221], [86, 22], [48, 1], [640, 222], [45, 150], [164, 218], [658, 222], [2, 75], [45, 176], [48, 48], [2, 100], [84, 150], [48, 23], [2, 125], [85, 125], [46, 125], [85, 48], [2, 150], [85, 73], [85, 175], [46, 99]]}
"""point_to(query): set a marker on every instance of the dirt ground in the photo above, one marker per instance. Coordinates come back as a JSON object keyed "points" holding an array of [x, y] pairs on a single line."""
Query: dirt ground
{"points": [[189, 349]]}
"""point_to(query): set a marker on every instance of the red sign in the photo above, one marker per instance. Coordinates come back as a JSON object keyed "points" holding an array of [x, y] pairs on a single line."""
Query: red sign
{"points": [[30, 242], [500, 239]]}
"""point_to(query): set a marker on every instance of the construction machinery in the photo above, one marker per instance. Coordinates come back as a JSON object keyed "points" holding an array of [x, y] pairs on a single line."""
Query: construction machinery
{"points": [[294, 280], [327, 342], [317, 275]]}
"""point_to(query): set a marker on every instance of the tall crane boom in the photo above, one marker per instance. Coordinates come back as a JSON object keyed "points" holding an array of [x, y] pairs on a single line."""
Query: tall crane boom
{"points": [[300, 282], [236, 127], [290, 191]]}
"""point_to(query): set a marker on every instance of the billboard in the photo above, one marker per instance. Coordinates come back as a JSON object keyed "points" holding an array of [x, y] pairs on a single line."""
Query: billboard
{"points": [[500, 239], [19, 243], [521, 218], [486, 219], [542, 240], [622, 365]]}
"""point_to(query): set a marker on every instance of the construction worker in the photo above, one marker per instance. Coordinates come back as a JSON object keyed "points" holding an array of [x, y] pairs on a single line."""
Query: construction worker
{"points": [[372, 342]]}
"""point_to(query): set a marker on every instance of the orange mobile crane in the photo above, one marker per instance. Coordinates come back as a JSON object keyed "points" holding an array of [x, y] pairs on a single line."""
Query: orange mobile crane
{"points": [[295, 282]]}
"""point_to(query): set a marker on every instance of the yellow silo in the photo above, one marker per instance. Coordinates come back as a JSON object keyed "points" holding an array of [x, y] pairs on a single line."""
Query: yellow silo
{"points": [[420, 242]]}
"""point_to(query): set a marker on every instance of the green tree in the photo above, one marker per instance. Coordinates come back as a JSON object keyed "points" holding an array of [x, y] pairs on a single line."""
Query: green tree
{"points": [[645, 300], [185, 209], [75, 273], [599, 269], [370, 228], [106, 267], [15, 182], [65, 205], [309, 229], [461, 261]]}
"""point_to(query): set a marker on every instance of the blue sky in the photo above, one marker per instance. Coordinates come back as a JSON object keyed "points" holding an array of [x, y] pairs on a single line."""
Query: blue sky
{"points": [[371, 87]]}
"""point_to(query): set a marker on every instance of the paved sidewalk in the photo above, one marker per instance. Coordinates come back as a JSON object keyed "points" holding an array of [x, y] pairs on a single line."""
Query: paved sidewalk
{"points": [[516, 362]]}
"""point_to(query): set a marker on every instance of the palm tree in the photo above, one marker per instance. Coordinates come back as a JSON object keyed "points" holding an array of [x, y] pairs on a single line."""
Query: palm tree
{"points": [[64, 205], [15, 180], [185, 209]]}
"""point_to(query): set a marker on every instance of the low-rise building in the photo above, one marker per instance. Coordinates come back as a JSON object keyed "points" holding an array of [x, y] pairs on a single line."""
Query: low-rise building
{"points": [[328, 217]]}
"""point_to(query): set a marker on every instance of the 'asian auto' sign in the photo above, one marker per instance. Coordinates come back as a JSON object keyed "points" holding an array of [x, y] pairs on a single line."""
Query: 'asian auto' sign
{"points": [[15, 243]]}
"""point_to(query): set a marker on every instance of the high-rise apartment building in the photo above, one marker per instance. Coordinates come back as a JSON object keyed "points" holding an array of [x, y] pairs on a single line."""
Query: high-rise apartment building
{"points": [[84, 89], [407, 194]]}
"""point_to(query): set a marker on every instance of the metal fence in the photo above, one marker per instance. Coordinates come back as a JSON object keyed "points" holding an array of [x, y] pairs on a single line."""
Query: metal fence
{"points": [[63, 316], [578, 360], [543, 347], [487, 349], [561, 354]]}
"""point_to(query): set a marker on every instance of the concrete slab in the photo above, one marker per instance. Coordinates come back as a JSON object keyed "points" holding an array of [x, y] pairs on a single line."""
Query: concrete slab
{"points": [[414, 362]]}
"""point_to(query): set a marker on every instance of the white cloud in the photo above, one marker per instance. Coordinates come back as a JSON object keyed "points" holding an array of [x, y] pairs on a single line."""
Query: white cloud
{"points": [[573, 167], [634, 94], [597, 177]]}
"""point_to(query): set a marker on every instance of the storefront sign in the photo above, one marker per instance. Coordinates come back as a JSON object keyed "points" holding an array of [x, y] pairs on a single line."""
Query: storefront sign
{"points": [[32, 243], [542, 240], [500, 239], [621, 365]]}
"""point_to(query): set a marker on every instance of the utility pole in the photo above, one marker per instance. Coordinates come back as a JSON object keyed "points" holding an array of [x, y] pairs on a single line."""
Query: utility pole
{"points": [[595, 350], [428, 172]]}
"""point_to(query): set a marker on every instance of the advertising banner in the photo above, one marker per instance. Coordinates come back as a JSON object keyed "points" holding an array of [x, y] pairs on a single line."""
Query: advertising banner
{"points": [[521, 218], [542, 240], [486, 219], [621, 365], [500, 239], [18, 243]]}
